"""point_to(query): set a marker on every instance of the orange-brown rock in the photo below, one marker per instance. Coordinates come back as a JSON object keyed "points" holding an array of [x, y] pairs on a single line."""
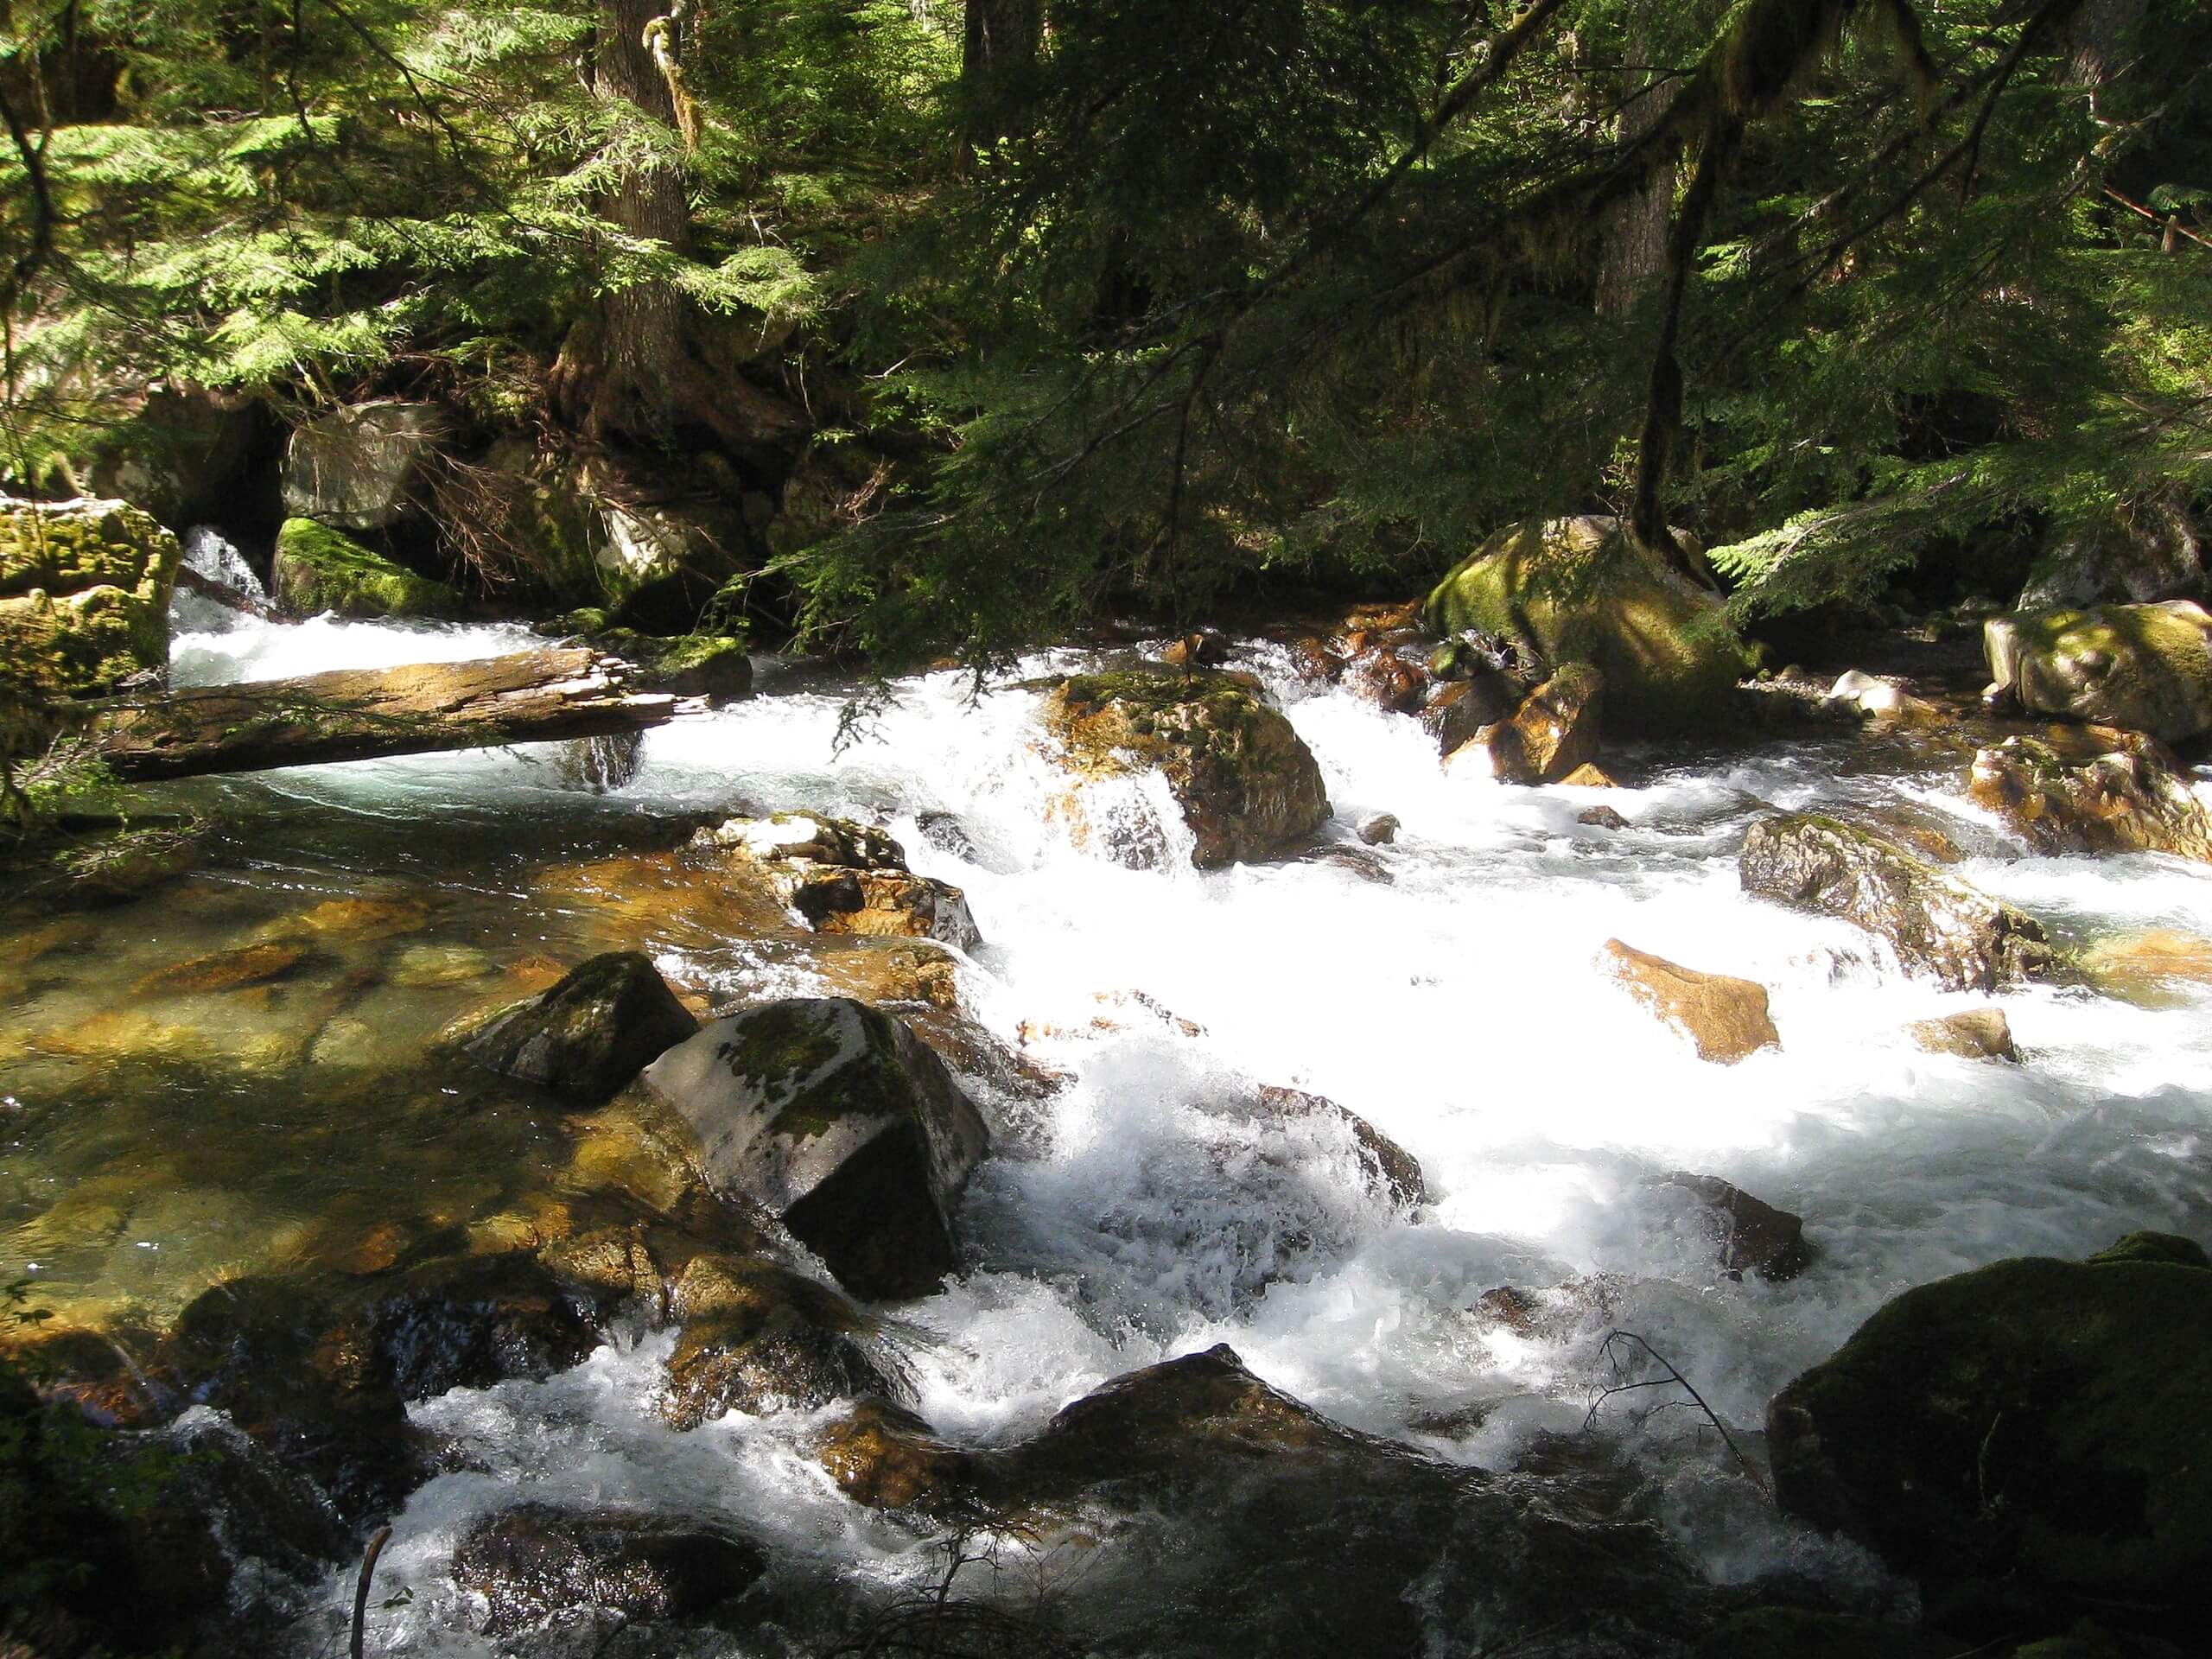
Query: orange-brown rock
{"points": [[1553, 732], [1726, 1018]]}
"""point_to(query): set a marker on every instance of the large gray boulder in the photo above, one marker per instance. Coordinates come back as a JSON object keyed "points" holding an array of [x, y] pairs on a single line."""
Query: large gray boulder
{"points": [[1938, 925], [591, 1033], [357, 467], [839, 1120], [2147, 668]]}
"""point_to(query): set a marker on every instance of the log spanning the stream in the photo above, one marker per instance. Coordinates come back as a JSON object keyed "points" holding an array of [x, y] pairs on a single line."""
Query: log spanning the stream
{"points": [[362, 714]]}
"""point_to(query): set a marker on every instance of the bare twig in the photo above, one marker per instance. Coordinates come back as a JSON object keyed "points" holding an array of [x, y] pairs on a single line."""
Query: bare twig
{"points": [[362, 1587], [1618, 1340]]}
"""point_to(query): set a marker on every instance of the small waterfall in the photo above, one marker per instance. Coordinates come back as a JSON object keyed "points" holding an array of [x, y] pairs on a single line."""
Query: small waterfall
{"points": [[210, 557]]}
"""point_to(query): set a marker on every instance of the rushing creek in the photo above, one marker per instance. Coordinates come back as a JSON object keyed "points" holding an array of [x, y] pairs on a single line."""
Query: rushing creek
{"points": [[1446, 987]]}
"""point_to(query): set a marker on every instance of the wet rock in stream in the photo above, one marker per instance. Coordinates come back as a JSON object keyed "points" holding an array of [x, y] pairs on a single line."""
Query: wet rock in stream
{"points": [[840, 877], [1224, 1516], [1245, 784], [319, 1370], [591, 1033], [756, 1336], [837, 1119], [536, 1561], [1937, 924]]}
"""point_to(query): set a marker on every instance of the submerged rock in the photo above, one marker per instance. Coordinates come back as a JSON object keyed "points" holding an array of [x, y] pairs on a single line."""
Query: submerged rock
{"points": [[319, 1370], [85, 592], [1582, 590], [2035, 1425], [1244, 782], [2128, 799], [1726, 1018], [840, 877], [1938, 925], [758, 1338], [837, 1119], [535, 1561], [1977, 1035], [2159, 968], [1391, 1171], [1553, 733], [2147, 668], [591, 1033], [317, 569]]}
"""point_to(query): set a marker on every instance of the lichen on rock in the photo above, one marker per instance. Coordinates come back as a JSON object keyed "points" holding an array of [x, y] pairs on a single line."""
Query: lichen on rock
{"points": [[1581, 589], [1245, 784]]}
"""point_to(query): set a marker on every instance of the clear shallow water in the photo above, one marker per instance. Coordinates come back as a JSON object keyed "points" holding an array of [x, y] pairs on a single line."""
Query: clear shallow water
{"points": [[1458, 1006]]}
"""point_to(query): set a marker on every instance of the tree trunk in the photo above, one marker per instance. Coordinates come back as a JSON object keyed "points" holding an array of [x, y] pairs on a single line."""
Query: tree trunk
{"points": [[998, 53], [636, 364], [1632, 253]]}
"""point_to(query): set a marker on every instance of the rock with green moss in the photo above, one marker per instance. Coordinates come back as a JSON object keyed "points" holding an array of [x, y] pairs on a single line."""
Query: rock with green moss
{"points": [[317, 569], [839, 1120], [2147, 668], [1583, 589], [2128, 799], [759, 1338], [591, 1033], [1937, 924], [1246, 784], [84, 592], [2037, 1423], [711, 665], [357, 467]]}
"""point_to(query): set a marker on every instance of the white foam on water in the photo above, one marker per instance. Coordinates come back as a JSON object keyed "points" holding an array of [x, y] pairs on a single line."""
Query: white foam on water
{"points": [[1461, 1009], [242, 651]]}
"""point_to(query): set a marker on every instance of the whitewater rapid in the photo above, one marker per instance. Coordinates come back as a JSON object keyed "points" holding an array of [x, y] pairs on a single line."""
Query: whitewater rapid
{"points": [[1446, 988]]}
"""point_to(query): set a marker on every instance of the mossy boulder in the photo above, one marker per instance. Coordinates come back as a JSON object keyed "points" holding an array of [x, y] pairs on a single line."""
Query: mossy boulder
{"points": [[317, 569], [837, 1119], [759, 1338], [84, 592], [1937, 924], [589, 1034], [2147, 668], [2038, 1423], [1583, 589], [1244, 782], [2128, 799]]}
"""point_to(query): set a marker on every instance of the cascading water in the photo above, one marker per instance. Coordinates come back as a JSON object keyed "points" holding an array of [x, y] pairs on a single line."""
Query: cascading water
{"points": [[1446, 988], [209, 556]]}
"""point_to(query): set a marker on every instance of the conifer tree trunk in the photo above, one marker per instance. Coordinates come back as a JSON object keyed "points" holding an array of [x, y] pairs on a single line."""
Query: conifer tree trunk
{"points": [[1633, 237], [998, 50], [626, 369]]}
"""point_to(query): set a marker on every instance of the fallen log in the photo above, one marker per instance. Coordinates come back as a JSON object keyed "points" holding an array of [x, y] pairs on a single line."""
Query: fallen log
{"points": [[362, 714]]}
